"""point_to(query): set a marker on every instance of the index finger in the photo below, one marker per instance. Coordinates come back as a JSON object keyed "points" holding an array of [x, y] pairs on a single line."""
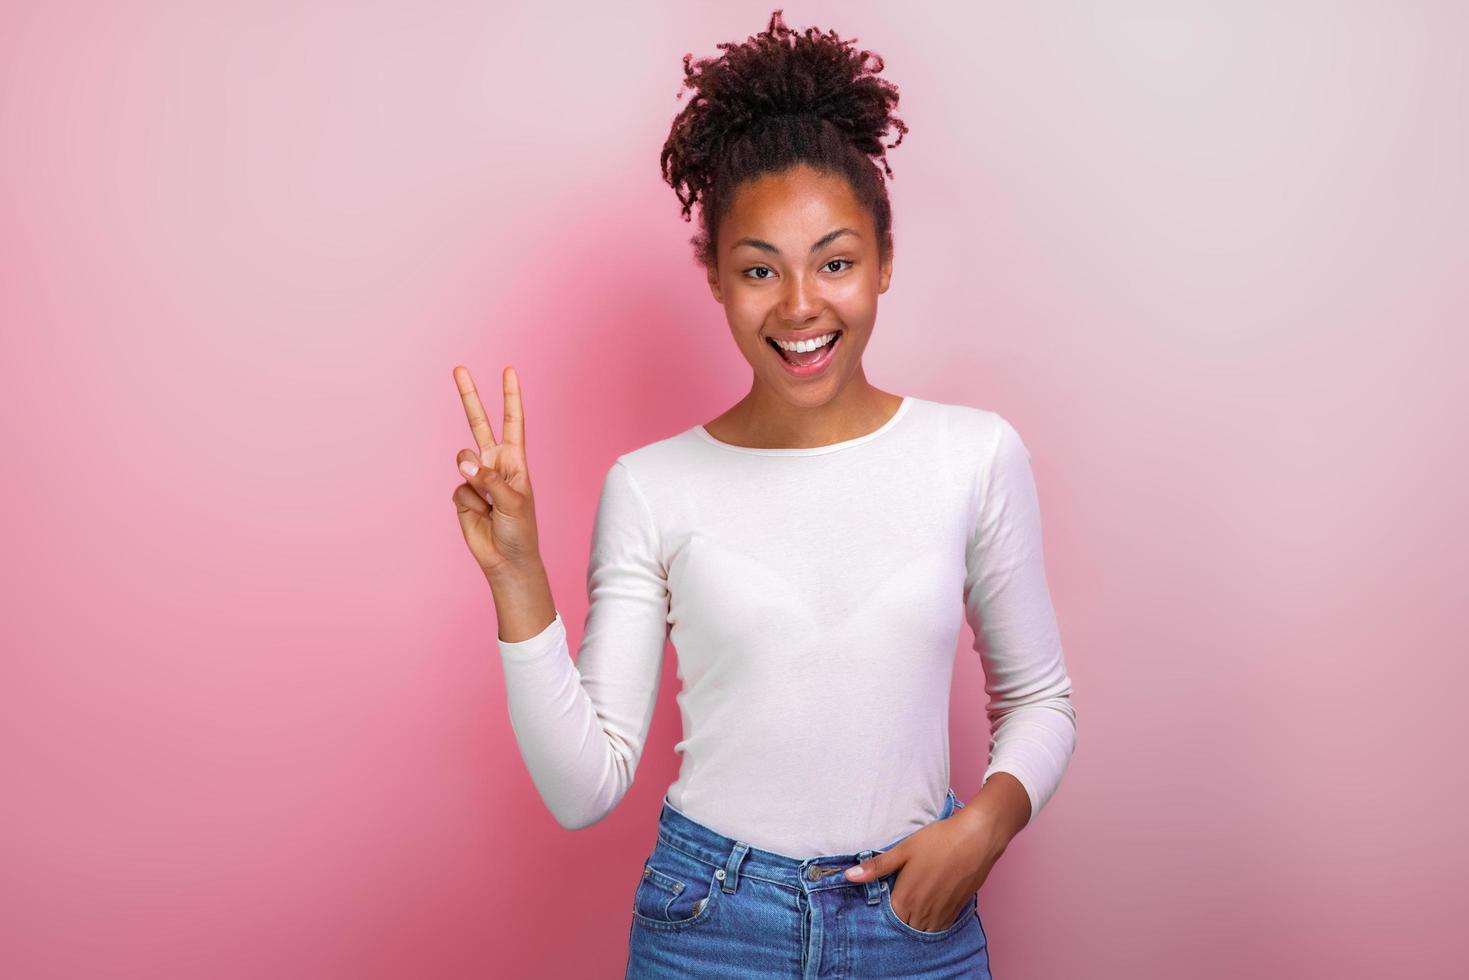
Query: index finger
{"points": [[484, 437]]}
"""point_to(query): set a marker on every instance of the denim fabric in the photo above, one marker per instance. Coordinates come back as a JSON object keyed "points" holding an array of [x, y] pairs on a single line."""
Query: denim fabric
{"points": [[708, 906]]}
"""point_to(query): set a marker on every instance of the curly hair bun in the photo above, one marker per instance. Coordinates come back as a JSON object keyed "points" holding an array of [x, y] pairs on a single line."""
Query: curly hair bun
{"points": [[779, 97]]}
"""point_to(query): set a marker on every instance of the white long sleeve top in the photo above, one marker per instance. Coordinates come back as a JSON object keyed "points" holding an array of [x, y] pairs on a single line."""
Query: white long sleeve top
{"points": [[810, 596]]}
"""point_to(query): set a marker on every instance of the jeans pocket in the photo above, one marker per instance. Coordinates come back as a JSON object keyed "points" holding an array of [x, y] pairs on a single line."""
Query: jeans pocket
{"points": [[676, 890], [966, 914]]}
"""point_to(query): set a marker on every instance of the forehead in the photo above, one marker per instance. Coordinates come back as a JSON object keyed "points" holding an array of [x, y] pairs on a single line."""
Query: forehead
{"points": [[797, 203]]}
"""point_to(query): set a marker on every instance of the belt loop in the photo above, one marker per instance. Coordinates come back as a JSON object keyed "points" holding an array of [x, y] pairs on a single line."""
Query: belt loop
{"points": [[874, 893], [731, 870]]}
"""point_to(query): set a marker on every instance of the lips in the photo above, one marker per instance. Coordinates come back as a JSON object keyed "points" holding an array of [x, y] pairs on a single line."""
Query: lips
{"points": [[777, 348], [825, 357]]}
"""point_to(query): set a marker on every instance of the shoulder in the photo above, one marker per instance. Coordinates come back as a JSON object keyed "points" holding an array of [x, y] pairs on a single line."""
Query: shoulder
{"points": [[973, 431], [657, 463], [979, 445]]}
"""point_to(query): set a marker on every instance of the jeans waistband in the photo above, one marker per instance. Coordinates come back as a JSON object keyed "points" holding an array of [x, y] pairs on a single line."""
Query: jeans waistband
{"points": [[678, 829]]}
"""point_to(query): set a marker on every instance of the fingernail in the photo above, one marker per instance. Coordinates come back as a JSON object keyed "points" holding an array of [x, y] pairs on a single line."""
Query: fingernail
{"points": [[468, 468], [854, 873]]}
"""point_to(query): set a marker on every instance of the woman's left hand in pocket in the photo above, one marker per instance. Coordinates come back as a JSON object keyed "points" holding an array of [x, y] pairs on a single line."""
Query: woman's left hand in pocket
{"points": [[943, 864]]}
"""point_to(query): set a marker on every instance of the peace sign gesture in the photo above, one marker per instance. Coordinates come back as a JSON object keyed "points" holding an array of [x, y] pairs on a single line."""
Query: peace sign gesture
{"points": [[496, 507]]}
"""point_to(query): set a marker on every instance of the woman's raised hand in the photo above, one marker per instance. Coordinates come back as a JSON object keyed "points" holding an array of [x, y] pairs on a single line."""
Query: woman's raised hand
{"points": [[496, 507]]}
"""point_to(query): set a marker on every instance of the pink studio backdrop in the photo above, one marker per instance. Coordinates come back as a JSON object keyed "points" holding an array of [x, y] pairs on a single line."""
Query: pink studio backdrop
{"points": [[1209, 259]]}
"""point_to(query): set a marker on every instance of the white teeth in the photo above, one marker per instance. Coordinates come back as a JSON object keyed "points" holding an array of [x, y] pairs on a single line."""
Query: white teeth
{"points": [[806, 345]]}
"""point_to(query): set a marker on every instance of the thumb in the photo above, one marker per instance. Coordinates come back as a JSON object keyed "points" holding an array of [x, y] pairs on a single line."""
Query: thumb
{"points": [[882, 863], [489, 484]]}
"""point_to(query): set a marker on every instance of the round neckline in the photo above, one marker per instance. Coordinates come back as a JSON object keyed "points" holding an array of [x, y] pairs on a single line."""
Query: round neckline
{"points": [[830, 447]]}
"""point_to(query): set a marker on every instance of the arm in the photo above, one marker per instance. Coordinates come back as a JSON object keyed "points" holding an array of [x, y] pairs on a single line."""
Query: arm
{"points": [[1008, 605], [581, 727]]}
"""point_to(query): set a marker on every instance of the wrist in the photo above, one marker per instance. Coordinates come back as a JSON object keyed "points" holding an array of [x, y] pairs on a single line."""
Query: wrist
{"points": [[1000, 811], [524, 607], [511, 576]]}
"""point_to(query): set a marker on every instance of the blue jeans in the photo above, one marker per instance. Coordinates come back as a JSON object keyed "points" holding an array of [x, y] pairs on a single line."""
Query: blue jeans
{"points": [[708, 906]]}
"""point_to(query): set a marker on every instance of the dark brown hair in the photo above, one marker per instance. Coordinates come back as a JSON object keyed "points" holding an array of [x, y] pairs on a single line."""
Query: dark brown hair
{"points": [[779, 99]]}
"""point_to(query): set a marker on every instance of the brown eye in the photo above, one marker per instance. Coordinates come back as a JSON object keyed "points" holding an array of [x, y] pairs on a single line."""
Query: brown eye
{"points": [[838, 260]]}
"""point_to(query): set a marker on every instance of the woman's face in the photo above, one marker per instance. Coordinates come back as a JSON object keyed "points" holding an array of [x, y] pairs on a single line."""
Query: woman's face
{"points": [[798, 259]]}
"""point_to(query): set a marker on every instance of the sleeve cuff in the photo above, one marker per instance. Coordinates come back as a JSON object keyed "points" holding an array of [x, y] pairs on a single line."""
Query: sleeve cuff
{"points": [[548, 639], [1032, 787]]}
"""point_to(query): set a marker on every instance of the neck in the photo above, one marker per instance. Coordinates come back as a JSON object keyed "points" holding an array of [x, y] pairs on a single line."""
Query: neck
{"points": [[765, 419]]}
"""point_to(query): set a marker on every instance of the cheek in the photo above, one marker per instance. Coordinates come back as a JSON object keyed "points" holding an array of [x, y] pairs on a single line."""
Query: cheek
{"points": [[857, 312], [855, 293], [749, 303], [746, 316]]}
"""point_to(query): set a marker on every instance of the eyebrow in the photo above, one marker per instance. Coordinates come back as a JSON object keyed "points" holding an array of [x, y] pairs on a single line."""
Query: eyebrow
{"points": [[820, 243]]}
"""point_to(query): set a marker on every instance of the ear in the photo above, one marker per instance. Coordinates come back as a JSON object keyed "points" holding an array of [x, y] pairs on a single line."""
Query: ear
{"points": [[714, 289], [885, 274]]}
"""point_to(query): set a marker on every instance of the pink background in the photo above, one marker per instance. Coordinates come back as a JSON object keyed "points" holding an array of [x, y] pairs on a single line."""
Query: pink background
{"points": [[1209, 259]]}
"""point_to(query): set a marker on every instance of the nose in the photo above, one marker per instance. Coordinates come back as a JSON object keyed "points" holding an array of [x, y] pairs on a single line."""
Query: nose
{"points": [[801, 301]]}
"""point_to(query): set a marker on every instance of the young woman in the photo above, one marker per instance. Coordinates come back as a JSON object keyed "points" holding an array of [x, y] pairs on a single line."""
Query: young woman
{"points": [[804, 551]]}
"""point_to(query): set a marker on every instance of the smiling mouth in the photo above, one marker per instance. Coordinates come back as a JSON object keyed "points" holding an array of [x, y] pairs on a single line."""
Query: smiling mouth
{"points": [[810, 357]]}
